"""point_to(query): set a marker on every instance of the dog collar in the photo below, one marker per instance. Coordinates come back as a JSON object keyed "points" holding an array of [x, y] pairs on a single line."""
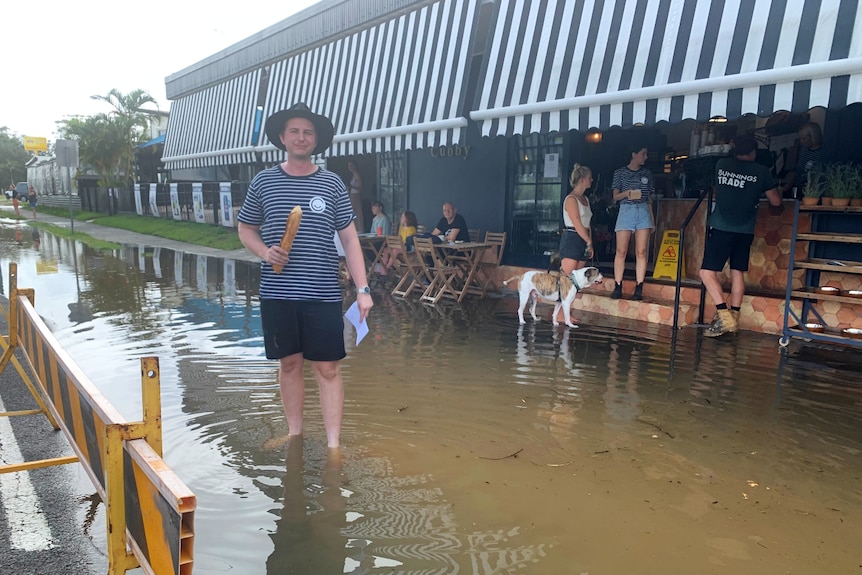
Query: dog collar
{"points": [[572, 277]]}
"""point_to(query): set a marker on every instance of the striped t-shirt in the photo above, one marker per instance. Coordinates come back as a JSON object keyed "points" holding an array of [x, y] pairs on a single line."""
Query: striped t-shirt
{"points": [[312, 272], [626, 179]]}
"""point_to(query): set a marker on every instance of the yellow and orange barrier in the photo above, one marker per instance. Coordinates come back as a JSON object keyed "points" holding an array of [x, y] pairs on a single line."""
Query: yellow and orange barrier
{"points": [[149, 510]]}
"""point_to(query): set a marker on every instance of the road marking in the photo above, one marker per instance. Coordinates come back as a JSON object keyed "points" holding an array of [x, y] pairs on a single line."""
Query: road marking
{"points": [[28, 530]]}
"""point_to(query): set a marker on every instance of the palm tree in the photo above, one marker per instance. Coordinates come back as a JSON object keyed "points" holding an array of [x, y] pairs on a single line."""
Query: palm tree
{"points": [[107, 141], [130, 106]]}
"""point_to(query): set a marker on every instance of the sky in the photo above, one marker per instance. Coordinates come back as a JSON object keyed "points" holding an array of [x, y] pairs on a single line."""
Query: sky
{"points": [[55, 54]]}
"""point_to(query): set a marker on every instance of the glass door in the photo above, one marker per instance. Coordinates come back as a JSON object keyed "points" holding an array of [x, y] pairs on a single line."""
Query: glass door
{"points": [[392, 173], [536, 198]]}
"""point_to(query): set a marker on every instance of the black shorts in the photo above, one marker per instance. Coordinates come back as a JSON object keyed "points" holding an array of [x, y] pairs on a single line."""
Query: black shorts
{"points": [[573, 246], [721, 246], [313, 328]]}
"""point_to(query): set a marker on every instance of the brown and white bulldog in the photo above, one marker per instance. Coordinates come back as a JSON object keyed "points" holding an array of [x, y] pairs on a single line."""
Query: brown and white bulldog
{"points": [[557, 289]]}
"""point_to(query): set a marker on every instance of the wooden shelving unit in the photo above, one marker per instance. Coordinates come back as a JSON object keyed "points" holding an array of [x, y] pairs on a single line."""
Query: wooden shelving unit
{"points": [[822, 232]]}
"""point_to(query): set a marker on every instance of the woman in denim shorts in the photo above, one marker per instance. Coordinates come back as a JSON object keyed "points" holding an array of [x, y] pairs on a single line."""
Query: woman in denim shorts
{"points": [[633, 187]]}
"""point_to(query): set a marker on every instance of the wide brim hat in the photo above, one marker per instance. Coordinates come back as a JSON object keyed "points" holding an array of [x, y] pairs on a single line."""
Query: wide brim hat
{"points": [[323, 127]]}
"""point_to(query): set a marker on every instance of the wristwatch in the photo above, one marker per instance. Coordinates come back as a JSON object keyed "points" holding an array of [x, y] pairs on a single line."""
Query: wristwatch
{"points": [[365, 290]]}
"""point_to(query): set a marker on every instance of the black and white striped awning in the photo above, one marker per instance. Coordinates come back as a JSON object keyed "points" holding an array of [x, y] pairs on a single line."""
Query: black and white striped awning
{"points": [[557, 65], [215, 126], [395, 86]]}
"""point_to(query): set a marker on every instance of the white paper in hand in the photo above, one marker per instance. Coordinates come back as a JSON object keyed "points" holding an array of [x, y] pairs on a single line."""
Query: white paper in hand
{"points": [[352, 315]]}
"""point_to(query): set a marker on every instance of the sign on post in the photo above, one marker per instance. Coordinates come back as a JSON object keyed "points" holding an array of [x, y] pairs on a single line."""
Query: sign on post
{"points": [[35, 144], [67, 153]]}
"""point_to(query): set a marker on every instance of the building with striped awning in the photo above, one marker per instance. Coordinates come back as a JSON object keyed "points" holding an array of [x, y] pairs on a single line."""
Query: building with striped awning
{"points": [[488, 102], [395, 85], [214, 126], [560, 65]]}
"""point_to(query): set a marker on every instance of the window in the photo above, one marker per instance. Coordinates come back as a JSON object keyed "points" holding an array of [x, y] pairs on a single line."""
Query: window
{"points": [[392, 172], [536, 198]]}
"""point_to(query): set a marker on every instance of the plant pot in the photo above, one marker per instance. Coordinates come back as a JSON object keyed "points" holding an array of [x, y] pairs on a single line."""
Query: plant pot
{"points": [[856, 202], [826, 200], [840, 201], [808, 201]]}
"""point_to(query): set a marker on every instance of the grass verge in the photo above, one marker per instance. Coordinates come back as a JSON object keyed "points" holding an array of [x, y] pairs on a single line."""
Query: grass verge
{"points": [[217, 237]]}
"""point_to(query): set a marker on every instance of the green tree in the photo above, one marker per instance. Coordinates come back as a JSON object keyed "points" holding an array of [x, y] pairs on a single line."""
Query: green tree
{"points": [[13, 157], [107, 141]]}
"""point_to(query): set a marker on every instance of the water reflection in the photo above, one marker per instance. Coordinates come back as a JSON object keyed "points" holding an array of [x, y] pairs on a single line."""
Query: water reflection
{"points": [[472, 444], [309, 535]]}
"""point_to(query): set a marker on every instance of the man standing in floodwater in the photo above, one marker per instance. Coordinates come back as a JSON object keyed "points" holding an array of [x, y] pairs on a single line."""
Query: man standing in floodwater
{"points": [[740, 183], [300, 308]]}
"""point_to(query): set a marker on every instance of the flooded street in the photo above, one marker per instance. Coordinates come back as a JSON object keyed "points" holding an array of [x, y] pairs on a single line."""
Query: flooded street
{"points": [[470, 444]]}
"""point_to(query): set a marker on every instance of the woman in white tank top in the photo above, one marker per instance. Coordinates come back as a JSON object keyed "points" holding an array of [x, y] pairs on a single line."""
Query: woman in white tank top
{"points": [[576, 245], [355, 195]]}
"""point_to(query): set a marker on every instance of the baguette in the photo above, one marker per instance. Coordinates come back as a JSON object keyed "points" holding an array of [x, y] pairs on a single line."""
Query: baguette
{"points": [[290, 230]]}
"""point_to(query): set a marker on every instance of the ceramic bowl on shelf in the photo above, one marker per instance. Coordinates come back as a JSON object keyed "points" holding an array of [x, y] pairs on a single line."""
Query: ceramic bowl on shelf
{"points": [[828, 290], [815, 327], [852, 293], [853, 332]]}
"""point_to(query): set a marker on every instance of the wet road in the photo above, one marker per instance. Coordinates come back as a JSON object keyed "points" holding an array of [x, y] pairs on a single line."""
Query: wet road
{"points": [[471, 444]]}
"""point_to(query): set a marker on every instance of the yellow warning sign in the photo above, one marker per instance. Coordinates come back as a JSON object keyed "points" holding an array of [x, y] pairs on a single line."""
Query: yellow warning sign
{"points": [[668, 256]]}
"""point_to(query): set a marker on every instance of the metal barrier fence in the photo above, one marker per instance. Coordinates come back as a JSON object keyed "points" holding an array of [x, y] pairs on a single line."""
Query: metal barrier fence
{"points": [[149, 510]]}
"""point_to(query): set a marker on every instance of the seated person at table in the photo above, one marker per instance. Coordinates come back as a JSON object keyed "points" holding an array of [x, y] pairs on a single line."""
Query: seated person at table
{"points": [[451, 225], [381, 221], [406, 230]]}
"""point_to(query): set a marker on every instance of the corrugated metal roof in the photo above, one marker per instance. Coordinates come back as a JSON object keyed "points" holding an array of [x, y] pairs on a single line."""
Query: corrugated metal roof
{"points": [[317, 24]]}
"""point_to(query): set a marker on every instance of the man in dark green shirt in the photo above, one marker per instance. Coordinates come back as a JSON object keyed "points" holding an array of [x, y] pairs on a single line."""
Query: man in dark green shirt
{"points": [[740, 182]]}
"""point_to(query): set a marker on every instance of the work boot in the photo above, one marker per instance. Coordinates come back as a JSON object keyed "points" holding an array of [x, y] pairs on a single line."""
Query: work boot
{"points": [[618, 291], [722, 324], [639, 292], [735, 314]]}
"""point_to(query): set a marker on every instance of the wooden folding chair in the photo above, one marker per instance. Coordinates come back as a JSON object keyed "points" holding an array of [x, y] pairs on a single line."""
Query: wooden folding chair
{"points": [[406, 270], [488, 266], [475, 234], [439, 274]]}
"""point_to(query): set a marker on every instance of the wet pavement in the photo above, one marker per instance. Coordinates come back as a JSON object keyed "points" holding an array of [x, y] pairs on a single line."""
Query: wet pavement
{"points": [[471, 444]]}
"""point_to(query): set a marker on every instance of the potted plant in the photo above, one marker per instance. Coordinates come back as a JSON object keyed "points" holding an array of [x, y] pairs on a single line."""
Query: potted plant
{"points": [[856, 199], [813, 188], [840, 183]]}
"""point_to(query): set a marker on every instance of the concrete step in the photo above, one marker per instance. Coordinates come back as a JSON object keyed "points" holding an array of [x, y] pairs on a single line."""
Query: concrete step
{"points": [[656, 307]]}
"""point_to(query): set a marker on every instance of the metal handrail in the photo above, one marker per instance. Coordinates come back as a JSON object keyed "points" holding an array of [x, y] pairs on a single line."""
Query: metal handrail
{"points": [[707, 193]]}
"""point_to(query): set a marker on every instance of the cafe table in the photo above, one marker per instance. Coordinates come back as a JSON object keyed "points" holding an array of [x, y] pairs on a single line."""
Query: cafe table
{"points": [[372, 247], [466, 256]]}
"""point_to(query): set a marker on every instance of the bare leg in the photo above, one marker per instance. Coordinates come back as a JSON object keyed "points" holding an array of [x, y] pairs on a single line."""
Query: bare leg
{"points": [[737, 287], [567, 266], [623, 239], [710, 280], [356, 202], [292, 391], [641, 243], [393, 256], [328, 375]]}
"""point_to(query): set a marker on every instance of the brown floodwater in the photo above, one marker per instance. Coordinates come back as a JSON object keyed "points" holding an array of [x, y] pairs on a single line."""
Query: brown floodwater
{"points": [[472, 444]]}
